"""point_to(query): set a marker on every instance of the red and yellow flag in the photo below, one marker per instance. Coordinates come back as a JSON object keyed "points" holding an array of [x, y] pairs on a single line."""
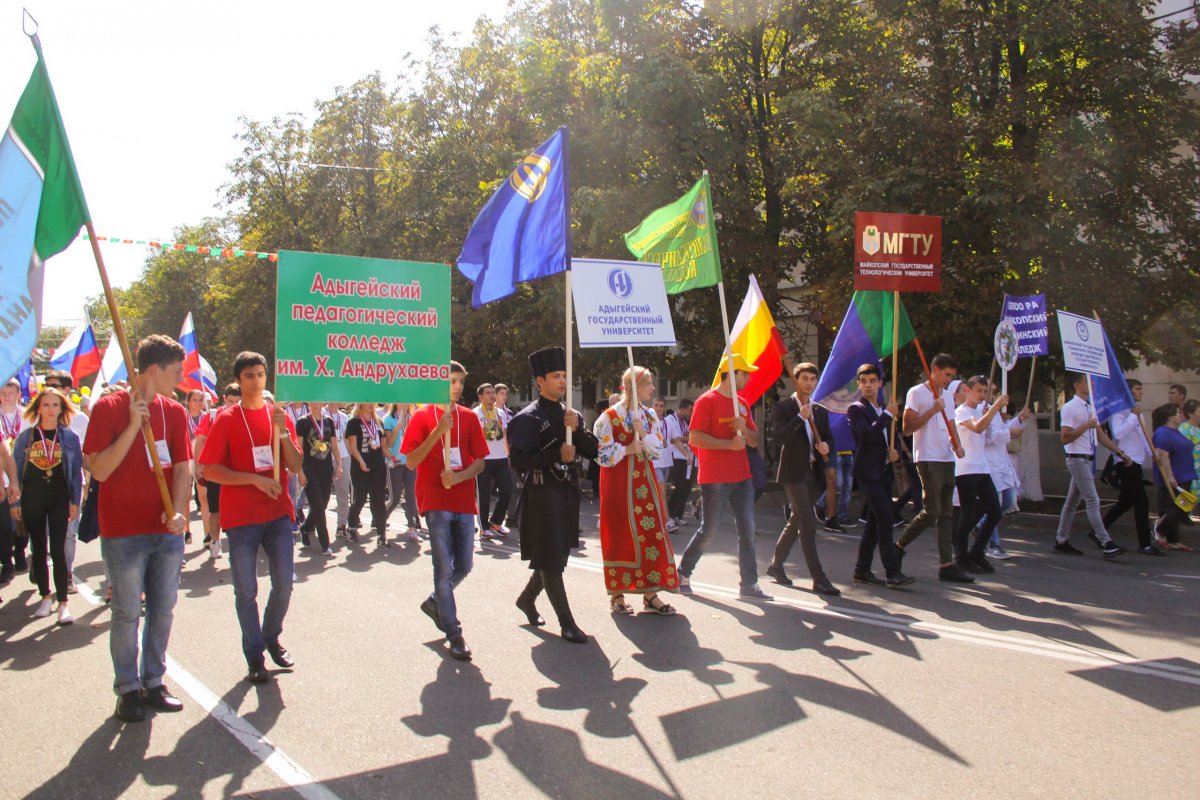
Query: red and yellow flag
{"points": [[755, 336]]}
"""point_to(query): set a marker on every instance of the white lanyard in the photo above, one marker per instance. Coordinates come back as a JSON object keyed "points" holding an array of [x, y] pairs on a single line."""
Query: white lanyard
{"points": [[247, 424], [11, 427]]}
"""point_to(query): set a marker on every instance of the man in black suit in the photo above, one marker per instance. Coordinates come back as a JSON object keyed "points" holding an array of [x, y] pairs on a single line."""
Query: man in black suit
{"points": [[873, 457], [803, 430]]}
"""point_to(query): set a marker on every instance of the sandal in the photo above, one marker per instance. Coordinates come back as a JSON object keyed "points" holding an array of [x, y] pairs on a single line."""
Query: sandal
{"points": [[618, 605], [662, 609]]}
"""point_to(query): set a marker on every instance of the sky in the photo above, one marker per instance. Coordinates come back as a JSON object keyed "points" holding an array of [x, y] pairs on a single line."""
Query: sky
{"points": [[151, 94]]}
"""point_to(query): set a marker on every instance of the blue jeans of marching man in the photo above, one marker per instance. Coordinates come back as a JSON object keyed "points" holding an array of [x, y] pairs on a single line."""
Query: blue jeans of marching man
{"points": [[452, 542], [714, 496], [275, 539]]}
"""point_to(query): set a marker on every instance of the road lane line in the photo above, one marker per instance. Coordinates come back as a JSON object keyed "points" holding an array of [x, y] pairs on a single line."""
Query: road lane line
{"points": [[246, 734]]}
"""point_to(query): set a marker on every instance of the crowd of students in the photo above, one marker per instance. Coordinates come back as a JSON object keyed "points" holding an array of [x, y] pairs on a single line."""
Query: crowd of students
{"points": [[255, 467]]}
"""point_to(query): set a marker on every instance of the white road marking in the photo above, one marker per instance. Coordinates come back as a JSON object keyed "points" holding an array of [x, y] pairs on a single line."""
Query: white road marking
{"points": [[922, 629], [246, 734]]}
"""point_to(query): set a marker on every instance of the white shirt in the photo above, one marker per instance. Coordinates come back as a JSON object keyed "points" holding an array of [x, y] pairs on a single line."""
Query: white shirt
{"points": [[340, 420], [665, 459], [1127, 431], [932, 441], [1076, 414], [673, 431], [496, 448], [996, 440], [975, 462]]}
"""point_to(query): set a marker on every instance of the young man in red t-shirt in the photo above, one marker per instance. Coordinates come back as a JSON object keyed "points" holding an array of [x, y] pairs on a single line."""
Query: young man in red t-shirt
{"points": [[141, 547], [720, 438], [446, 496], [256, 509]]}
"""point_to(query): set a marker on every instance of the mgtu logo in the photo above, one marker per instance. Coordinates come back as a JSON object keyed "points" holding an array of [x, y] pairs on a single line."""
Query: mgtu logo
{"points": [[619, 283]]}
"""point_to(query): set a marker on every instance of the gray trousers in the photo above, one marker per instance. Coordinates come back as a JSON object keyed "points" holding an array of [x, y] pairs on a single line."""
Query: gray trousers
{"points": [[801, 524], [1083, 487]]}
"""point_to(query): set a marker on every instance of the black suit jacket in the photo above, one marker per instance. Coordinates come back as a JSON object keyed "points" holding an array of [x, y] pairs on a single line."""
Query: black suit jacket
{"points": [[870, 441], [793, 434]]}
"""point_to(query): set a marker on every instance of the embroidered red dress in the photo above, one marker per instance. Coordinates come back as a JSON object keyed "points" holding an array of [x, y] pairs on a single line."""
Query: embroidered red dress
{"points": [[633, 536]]}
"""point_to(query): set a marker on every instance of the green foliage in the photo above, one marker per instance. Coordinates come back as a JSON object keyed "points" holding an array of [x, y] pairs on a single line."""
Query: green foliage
{"points": [[1056, 140]]}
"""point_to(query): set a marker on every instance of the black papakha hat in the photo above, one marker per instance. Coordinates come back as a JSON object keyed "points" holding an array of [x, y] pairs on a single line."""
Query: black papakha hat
{"points": [[552, 359]]}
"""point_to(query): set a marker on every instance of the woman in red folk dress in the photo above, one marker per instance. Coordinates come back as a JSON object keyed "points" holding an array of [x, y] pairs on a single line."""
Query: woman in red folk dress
{"points": [[637, 552]]}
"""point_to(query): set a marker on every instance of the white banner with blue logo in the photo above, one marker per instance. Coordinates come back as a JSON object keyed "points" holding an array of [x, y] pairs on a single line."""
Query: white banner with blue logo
{"points": [[1083, 344], [621, 304]]}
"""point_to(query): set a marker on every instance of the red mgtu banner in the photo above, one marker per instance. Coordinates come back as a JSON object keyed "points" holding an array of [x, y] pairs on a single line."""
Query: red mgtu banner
{"points": [[897, 252]]}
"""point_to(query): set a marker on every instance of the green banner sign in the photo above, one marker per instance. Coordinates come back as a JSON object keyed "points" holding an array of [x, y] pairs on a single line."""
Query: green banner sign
{"points": [[361, 330]]}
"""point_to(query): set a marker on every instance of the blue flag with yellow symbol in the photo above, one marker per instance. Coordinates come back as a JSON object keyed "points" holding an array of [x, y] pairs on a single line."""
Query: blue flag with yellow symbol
{"points": [[522, 232]]}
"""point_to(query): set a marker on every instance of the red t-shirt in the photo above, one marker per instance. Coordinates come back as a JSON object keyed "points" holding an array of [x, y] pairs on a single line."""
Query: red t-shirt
{"points": [[235, 432], [130, 502], [467, 436], [713, 414]]}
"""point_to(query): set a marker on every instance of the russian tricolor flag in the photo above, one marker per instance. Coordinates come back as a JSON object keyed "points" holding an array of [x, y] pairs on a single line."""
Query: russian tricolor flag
{"points": [[78, 354], [197, 373]]}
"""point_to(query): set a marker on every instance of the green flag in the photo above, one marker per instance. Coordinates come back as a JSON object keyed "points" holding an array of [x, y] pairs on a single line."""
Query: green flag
{"points": [[682, 238], [41, 211]]}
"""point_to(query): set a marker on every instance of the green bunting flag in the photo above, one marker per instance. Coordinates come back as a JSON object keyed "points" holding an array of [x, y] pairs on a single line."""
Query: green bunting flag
{"points": [[682, 238]]}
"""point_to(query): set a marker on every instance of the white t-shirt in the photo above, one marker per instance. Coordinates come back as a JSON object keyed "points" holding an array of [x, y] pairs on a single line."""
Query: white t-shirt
{"points": [[975, 462], [665, 459], [340, 420], [493, 432], [1076, 414], [932, 441], [996, 444]]}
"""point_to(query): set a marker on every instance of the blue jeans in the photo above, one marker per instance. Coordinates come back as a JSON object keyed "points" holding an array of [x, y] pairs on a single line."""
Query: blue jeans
{"points": [[843, 465], [714, 496], [1008, 499], [275, 538], [452, 542], [143, 563]]}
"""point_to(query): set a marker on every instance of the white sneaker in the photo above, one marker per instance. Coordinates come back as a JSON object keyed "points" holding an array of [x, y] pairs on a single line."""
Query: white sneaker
{"points": [[44, 608], [998, 553], [215, 548], [414, 535], [64, 615]]}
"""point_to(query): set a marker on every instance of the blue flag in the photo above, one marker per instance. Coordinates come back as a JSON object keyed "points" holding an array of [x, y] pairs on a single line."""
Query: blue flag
{"points": [[523, 232], [23, 376], [1110, 395]]}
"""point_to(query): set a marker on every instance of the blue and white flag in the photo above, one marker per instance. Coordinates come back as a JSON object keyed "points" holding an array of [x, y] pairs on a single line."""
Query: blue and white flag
{"points": [[523, 232], [1110, 395]]}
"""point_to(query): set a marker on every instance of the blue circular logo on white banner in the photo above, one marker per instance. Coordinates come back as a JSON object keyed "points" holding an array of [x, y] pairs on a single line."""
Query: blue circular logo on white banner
{"points": [[619, 283], [1081, 330]]}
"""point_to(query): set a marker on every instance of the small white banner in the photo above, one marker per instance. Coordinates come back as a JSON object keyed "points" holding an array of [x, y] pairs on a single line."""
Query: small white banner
{"points": [[621, 303], [1083, 344]]}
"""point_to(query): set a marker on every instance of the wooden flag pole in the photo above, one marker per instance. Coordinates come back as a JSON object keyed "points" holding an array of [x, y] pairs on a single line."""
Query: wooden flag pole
{"points": [[446, 439], [1029, 388], [895, 357], [632, 399], [131, 369], [728, 345]]}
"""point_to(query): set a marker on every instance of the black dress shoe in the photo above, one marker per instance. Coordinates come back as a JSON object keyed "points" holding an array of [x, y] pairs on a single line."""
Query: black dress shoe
{"points": [[1067, 548], [898, 579], [281, 656], [779, 575], [571, 633], [826, 588], [459, 649], [1151, 550], [953, 574], [6, 575], [130, 707], [258, 673], [980, 561], [429, 606], [867, 577], [160, 699], [967, 565]]}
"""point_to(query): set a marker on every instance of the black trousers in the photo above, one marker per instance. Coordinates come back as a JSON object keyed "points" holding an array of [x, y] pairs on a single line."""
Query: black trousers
{"points": [[678, 476], [368, 485], [975, 491], [495, 474], [45, 504], [1133, 495], [878, 531], [7, 535], [317, 490], [1170, 516]]}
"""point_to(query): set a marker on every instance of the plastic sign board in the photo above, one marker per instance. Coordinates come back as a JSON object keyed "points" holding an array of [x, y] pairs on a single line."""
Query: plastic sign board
{"points": [[1028, 315], [1083, 344], [897, 252], [361, 330], [621, 303]]}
